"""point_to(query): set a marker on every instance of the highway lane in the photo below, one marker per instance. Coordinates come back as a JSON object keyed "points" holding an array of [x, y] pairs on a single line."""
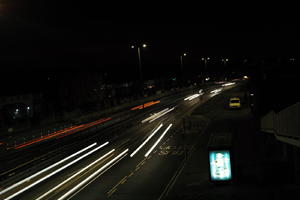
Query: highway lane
{"points": [[13, 160], [142, 130], [138, 178], [37, 156], [166, 170], [32, 156]]}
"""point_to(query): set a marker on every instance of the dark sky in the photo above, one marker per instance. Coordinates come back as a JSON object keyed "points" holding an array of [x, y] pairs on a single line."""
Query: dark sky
{"points": [[55, 34]]}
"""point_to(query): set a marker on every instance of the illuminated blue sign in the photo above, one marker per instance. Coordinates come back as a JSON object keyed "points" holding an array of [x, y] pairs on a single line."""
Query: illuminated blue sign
{"points": [[220, 167]]}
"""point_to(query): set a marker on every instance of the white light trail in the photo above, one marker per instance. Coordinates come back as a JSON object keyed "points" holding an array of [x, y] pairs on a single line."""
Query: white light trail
{"points": [[46, 169], [157, 141], [76, 174], [91, 176], [216, 91], [54, 172], [154, 115], [228, 84], [150, 136], [191, 97], [194, 96], [162, 114]]}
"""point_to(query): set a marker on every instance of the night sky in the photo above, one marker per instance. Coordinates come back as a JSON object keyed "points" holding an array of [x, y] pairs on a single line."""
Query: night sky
{"points": [[43, 37]]}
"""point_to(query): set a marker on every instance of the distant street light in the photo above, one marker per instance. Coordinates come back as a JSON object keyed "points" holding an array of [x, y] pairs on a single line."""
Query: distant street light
{"points": [[181, 65], [139, 58], [138, 47], [224, 61], [205, 59]]}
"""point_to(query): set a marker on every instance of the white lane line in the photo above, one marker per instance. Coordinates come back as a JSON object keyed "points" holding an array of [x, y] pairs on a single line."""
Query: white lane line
{"points": [[159, 139], [73, 176], [92, 176], [155, 131], [55, 172], [46, 169]]}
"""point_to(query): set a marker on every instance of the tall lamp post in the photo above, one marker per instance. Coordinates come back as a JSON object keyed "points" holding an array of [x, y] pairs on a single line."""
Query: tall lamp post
{"points": [[181, 66], [205, 59], [224, 61], [138, 47]]}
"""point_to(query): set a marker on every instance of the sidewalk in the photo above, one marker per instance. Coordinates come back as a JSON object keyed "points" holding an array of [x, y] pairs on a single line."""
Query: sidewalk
{"points": [[260, 173]]}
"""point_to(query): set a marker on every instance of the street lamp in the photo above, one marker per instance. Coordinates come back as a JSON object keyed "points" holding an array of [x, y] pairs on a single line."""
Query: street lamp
{"points": [[205, 59], [138, 47], [181, 65], [224, 61]]}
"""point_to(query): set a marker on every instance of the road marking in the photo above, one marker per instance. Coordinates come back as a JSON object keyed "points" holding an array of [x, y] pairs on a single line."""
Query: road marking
{"points": [[130, 174], [148, 138], [143, 162], [114, 188], [21, 165], [95, 175], [163, 153], [80, 173], [136, 169], [123, 180], [11, 174], [111, 192]]}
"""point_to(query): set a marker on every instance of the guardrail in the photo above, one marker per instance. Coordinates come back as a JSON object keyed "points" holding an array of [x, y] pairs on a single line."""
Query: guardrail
{"points": [[284, 124]]}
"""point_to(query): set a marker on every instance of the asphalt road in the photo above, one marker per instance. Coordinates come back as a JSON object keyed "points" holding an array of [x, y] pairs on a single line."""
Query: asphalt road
{"points": [[122, 177]]}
